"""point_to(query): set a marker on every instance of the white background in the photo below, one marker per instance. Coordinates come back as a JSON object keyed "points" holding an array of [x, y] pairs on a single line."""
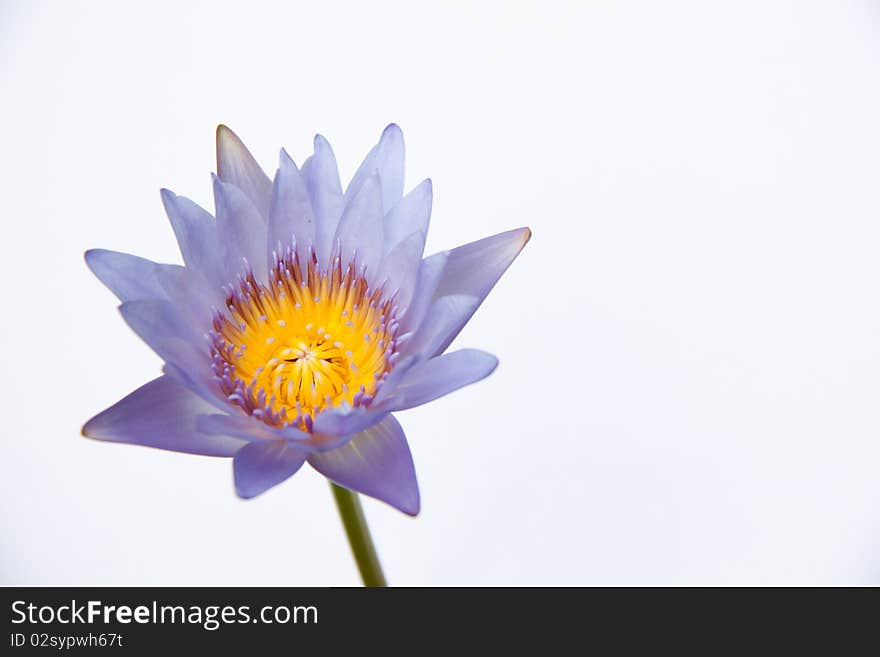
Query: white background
{"points": [[690, 372]]}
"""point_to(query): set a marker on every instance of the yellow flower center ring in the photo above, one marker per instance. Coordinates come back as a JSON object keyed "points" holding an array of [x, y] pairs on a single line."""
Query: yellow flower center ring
{"points": [[306, 341]]}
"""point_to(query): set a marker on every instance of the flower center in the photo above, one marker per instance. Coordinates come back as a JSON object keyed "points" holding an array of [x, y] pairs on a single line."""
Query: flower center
{"points": [[305, 341]]}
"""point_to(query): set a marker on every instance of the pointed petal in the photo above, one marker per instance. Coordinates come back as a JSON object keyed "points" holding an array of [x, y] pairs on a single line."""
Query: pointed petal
{"points": [[400, 268], [290, 215], [199, 382], [128, 277], [191, 294], [360, 229], [241, 231], [325, 191], [238, 425], [474, 268], [196, 233], [160, 325], [390, 383], [259, 466], [345, 421], [430, 272], [412, 214], [156, 318], [442, 323], [387, 158], [237, 166], [160, 414], [439, 376], [377, 462], [250, 428]]}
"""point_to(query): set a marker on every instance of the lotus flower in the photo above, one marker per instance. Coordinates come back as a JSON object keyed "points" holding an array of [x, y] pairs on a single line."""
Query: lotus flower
{"points": [[304, 316]]}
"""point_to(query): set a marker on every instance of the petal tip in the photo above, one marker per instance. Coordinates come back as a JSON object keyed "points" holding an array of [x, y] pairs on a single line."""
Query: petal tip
{"points": [[427, 188], [230, 148], [392, 130], [244, 494], [284, 159], [98, 261], [411, 507], [224, 133], [320, 143], [96, 428], [225, 139], [244, 490], [88, 429], [90, 255]]}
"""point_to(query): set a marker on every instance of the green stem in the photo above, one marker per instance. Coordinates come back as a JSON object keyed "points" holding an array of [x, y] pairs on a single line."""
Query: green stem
{"points": [[358, 536]]}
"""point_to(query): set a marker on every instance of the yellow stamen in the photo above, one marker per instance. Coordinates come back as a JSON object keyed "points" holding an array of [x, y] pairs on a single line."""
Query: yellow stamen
{"points": [[305, 342]]}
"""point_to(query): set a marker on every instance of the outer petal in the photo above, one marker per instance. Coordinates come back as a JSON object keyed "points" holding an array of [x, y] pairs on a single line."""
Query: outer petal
{"points": [[237, 166], [154, 319], [190, 294], [160, 325], [430, 272], [160, 414], [412, 214], [345, 420], [387, 158], [440, 376], [474, 269], [399, 269], [241, 230], [196, 233], [260, 465], [197, 381], [360, 229], [290, 215], [128, 277], [377, 462], [249, 428], [325, 191], [397, 375], [442, 322]]}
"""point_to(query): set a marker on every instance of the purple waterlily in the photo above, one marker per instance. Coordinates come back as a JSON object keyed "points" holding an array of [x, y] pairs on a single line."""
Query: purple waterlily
{"points": [[303, 317]]}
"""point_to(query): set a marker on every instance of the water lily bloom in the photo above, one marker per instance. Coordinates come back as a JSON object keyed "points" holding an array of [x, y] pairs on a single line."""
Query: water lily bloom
{"points": [[304, 316]]}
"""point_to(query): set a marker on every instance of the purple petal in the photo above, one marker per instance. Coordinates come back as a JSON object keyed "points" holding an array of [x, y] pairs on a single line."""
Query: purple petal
{"points": [[250, 428], [401, 266], [196, 233], [376, 462], [128, 277], [240, 426], [474, 268], [394, 378], [440, 376], [190, 294], [198, 381], [237, 166], [345, 420], [160, 325], [387, 158], [241, 230], [360, 229], [260, 465], [155, 319], [161, 414], [325, 191], [290, 215], [412, 214], [430, 271], [442, 322]]}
